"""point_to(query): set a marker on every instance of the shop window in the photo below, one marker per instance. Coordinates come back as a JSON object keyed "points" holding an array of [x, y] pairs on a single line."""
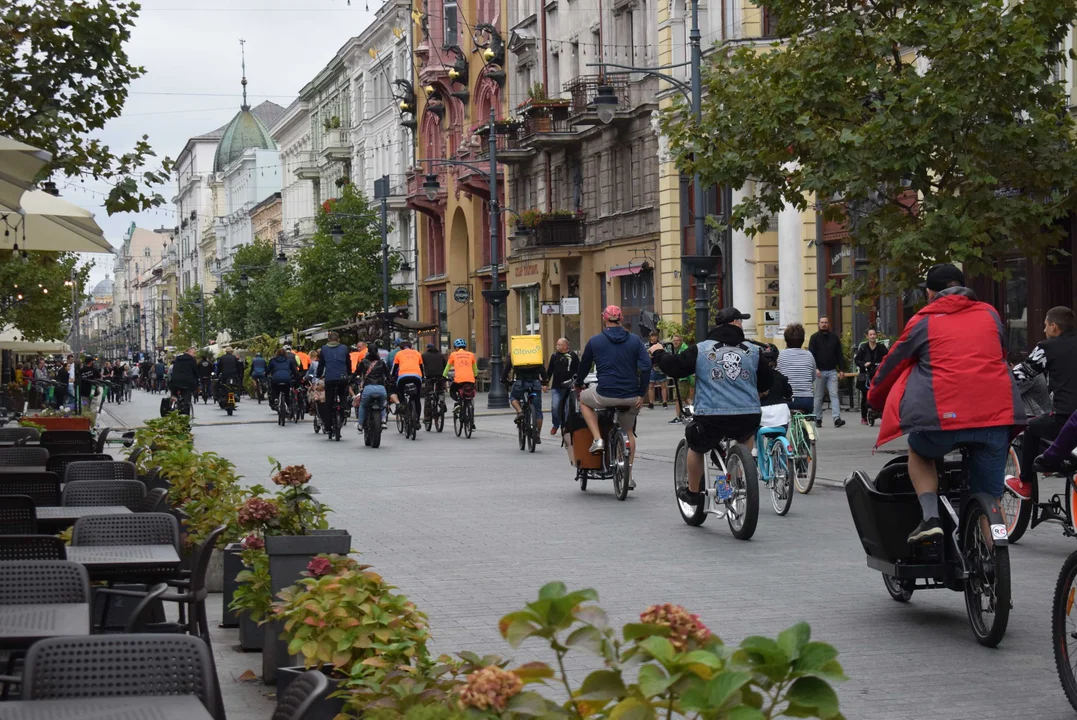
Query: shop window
{"points": [[530, 312], [839, 265], [440, 315]]}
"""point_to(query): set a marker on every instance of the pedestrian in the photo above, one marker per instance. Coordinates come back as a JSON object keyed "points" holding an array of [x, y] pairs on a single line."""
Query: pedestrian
{"points": [[658, 380], [798, 367], [868, 356], [563, 366], [826, 348], [63, 378], [88, 372]]}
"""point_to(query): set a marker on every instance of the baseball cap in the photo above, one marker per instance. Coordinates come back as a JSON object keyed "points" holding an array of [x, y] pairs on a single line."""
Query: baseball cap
{"points": [[728, 315], [939, 277], [612, 313]]}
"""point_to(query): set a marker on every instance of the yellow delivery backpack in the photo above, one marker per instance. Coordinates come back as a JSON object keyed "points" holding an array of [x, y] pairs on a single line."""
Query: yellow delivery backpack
{"points": [[525, 350]]}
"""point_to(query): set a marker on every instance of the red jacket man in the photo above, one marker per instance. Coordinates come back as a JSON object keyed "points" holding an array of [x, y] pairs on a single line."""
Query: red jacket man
{"points": [[946, 382]]}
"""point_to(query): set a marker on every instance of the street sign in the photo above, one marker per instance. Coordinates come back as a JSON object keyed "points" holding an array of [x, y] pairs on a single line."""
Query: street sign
{"points": [[461, 294], [570, 306]]}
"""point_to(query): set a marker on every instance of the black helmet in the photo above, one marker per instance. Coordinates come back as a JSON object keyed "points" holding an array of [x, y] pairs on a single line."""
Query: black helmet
{"points": [[770, 352]]}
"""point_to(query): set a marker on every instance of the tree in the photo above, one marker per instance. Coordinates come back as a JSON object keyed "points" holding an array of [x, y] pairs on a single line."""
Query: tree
{"points": [[962, 153], [36, 300], [194, 320], [63, 75], [253, 306], [334, 281]]}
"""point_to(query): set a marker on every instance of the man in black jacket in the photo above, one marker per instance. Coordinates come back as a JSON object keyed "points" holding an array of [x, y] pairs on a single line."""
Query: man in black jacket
{"points": [[825, 347], [184, 375], [434, 362], [563, 366], [229, 373], [1055, 356]]}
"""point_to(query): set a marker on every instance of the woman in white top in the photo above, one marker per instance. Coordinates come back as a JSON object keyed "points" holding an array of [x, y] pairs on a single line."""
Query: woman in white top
{"points": [[798, 366]]}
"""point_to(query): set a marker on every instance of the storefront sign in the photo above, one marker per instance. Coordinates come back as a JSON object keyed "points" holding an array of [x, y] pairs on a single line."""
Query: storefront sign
{"points": [[770, 317], [461, 294], [770, 270], [570, 306], [551, 308], [525, 270]]}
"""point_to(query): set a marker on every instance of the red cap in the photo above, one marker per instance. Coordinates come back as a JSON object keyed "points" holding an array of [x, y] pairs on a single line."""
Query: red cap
{"points": [[612, 312]]}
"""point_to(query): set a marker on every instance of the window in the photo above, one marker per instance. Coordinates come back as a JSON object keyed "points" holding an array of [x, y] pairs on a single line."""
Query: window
{"points": [[450, 23], [440, 310], [530, 316], [770, 22], [435, 248]]}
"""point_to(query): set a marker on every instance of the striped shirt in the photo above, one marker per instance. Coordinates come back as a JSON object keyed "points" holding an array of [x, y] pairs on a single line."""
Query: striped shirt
{"points": [[798, 366]]}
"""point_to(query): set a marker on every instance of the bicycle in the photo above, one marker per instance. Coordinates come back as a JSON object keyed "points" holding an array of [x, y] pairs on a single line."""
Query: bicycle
{"points": [[435, 406], [283, 408], [410, 402], [179, 400], [731, 492], [228, 397], [965, 560], [261, 388], [804, 454], [774, 456], [613, 463], [527, 427], [463, 412], [1063, 622], [372, 423], [336, 420], [298, 403]]}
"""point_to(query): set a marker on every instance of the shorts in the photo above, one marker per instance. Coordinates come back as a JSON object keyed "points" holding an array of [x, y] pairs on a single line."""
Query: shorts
{"points": [[989, 450], [519, 387], [704, 432], [657, 377], [626, 407]]}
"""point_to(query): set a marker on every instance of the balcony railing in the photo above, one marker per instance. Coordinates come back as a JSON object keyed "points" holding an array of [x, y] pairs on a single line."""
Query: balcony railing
{"points": [[336, 144], [306, 165], [584, 88], [303, 229]]}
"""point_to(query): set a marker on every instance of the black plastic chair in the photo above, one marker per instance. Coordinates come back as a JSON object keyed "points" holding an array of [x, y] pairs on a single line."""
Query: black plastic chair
{"points": [[139, 620], [12, 434], [58, 463], [102, 439], [136, 529], [156, 500], [29, 582], [42, 487], [24, 456], [301, 694], [120, 666], [17, 515], [68, 441], [136, 453], [31, 547], [129, 493], [100, 470]]}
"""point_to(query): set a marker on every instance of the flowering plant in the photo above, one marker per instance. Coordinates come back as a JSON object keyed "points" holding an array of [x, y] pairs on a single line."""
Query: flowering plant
{"points": [[300, 511], [253, 594], [257, 513]]}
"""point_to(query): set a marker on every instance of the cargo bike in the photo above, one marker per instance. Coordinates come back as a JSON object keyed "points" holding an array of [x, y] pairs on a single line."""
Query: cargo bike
{"points": [[613, 463]]}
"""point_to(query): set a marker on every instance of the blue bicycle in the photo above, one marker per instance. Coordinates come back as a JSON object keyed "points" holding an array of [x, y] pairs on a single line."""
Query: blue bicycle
{"points": [[774, 457]]}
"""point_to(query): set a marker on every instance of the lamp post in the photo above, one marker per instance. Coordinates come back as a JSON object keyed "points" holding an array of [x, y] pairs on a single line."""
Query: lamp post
{"points": [[703, 264], [498, 397]]}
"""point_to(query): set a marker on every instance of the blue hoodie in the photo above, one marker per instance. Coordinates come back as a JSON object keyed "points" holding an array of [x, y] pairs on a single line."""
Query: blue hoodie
{"points": [[621, 361]]}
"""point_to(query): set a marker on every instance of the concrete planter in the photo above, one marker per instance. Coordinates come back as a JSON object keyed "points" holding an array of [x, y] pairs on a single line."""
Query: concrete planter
{"points": [[232, 565], [215, 572], [251, 635]]}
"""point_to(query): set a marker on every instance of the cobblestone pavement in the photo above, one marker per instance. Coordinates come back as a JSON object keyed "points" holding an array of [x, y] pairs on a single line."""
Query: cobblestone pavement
{"points": [[470, 529]]}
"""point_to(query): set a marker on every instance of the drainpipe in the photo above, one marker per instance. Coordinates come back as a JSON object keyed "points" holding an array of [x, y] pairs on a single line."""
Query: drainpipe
{"points": [[820, 259]]}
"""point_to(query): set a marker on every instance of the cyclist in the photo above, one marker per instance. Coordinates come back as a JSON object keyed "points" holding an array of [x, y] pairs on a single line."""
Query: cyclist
{"points": [[334, 365], [303, 359], [530, 378], [780, 392], [183, 379], [228, 373], [374, 375], [563, 366], [945, 382], [730, 377], [407, 369], [258, 368], [435, 364], [798, 367], [624, 372], [1056, 357], [464, 366], [282, 373]]}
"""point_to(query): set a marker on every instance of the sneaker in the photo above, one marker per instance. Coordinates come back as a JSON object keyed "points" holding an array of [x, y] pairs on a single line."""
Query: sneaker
{"points": [[1019, 487], [631, 483], [839, 422], [1047, 464], [650, 406], [927, 531], [665, 406], [538, 439], [517, 419], [597, 446], [674, 421], [687, 496], [863, 421], [818, 423], [553, 431]]}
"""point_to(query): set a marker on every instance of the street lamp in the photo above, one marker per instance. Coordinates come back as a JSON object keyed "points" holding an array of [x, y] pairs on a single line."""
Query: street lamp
{"points": [[431, 186], [702, 264], [244, 280], [337, 232], [282, 259]]}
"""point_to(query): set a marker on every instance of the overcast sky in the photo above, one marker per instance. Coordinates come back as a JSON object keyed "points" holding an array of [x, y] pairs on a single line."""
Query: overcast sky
{"points": [[192, 82]]}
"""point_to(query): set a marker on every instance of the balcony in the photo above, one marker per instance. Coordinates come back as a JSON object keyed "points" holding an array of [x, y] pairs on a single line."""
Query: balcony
{"points": [[551, 231], [583, 90], [336, 146], [306, 165], [303, 230], [510, 149]]}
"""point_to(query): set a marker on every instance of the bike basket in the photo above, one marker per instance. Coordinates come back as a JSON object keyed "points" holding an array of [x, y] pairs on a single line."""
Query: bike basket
{"points": [[467, 392], [884, 511]]}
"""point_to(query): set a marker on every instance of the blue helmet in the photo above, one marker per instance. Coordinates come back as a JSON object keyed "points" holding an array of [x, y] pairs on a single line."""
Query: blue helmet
{"points": [[459, 343]]}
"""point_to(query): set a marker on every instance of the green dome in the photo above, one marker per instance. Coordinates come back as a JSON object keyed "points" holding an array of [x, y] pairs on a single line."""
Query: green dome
{"points": [[244, 132]]}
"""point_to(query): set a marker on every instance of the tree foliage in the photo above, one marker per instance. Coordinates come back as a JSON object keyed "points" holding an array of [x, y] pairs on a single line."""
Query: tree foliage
{"points": [[190, 317], [253, 306], [939, 130], [44, 310], [64, 74]]}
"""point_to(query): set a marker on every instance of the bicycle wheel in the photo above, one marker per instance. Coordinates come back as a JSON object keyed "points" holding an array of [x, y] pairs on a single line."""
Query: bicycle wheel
{"points": [[522, 431], [693, 515], [428, 416], [806, 459], [317, 423], [532, 427], [373, 433], [987, 589], [782, 473], [413, 421], [743, 507], [1018, 512], [1064, 628], [282, 412], [439, 420], [619, 464], [458, 421], [469, 419], [399, 413], [900, 590]]}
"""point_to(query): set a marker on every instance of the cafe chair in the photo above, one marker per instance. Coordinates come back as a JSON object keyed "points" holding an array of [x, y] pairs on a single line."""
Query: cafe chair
{"points": [[68, 441], [100, 470], [102, 439], [31, 547], [136, 529], [18, 515], [13, 434], [129, 493], [301, 694], [58, 463], [156, 500], [42, 487], [37, 456], [120, 665]]}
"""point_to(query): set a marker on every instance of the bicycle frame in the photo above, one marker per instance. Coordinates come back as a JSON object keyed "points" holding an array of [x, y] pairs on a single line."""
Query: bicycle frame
{"points": [[765, 437]]}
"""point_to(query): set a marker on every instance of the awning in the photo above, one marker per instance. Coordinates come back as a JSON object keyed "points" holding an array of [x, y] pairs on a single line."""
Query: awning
{"points": [[12, 339], [49, 223], [524, 286], [622, 270]]}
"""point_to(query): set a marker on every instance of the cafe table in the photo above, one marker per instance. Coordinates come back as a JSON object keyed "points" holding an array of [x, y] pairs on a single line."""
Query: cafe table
{"points": [[23, 625], [63, 517], [121, 562], [146, 707]]}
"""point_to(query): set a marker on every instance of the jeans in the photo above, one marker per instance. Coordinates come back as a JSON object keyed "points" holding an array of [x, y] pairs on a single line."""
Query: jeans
{"points": [[370, 393], [521, 387], [557, 396], [803, 404], [1046, 427], [987, 455], [828, 380]]}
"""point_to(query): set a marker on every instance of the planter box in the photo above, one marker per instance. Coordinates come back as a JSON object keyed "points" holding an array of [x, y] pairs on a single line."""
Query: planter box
{"points": [[231, 566], [324, 708], [215, 572], [251, 636], [62, 423], [289, 556]]}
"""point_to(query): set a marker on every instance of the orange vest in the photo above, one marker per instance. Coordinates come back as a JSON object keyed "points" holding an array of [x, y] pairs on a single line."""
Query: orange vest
{"points": [[303, 359], [410, 362], [356, 358], [463, 362]]}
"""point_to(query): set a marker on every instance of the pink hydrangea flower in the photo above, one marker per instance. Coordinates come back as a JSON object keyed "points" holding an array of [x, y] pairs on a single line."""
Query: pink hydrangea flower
{"points": [[684, 627]]}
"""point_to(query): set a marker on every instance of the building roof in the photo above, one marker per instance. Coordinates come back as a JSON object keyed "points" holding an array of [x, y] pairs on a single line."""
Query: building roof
{"points": [[248, 129]]}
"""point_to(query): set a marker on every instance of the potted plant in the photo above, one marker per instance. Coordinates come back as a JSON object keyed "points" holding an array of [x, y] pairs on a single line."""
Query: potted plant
{"points": [[343, 619], [252, 597]]}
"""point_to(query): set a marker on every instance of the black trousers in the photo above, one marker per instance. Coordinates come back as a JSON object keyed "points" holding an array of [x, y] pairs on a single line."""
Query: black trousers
{"points": [[1045, 427], [334, 390]]}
